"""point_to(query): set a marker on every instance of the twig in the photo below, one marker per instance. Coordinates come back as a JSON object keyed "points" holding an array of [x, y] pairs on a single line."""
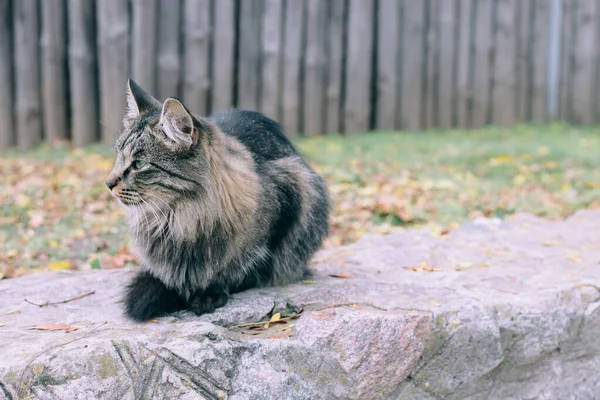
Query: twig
{"points": [[11, 312], [284, 319], [52, 348], [63, 301]]}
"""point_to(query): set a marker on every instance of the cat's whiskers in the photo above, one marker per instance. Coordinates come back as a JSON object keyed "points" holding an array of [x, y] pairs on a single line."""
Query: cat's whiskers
{"points": [[170, 208], [162, 226]]}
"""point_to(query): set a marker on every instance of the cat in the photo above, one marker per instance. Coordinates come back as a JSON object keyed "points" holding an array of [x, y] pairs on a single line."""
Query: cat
{"points": [[215, 205]]}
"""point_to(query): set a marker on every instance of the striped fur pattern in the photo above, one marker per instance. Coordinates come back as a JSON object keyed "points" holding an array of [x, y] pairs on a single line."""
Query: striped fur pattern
{"points": [[215, 205]]}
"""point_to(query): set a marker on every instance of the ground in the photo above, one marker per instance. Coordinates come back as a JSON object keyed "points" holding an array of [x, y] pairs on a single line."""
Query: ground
{"points": [[56, 213]]}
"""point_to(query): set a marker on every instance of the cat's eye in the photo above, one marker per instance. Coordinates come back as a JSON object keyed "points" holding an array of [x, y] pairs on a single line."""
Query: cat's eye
{"points": [[138, 164]]}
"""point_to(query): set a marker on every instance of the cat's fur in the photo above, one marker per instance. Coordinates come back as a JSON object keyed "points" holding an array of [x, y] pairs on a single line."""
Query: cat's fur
{"points": [[216, 205]]}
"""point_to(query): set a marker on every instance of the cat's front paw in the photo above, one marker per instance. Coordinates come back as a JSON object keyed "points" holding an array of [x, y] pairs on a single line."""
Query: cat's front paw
{"points": [[147, 297], [207, 301]]}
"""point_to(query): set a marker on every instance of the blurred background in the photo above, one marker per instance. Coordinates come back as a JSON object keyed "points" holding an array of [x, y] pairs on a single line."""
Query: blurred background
{"points": [[419, 113]]}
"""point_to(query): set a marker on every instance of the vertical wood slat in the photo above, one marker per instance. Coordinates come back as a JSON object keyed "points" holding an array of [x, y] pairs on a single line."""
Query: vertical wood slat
{"points": [[567, 47], [584, 64], [196, 82], [447, 50], [314, 68], [462, 89], [82, 70], [596, 103], [143, 47], [481, 72], [270, 47], [113, 51], [54, 69], [523, 28], [335, 54], [27, 61], [413, 35], [503, 65], [292, 57], [431, 54], [7, 121], [462, 94], [249, 78], [223, 54], [358, 66], [388, 37], [168, 61], [539, 61]]}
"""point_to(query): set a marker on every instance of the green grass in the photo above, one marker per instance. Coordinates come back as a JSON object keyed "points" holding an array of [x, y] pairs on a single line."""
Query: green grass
{"points": [[54, 206]]}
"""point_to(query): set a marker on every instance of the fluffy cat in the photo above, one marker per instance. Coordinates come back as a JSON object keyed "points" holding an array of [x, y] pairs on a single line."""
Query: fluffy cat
{"points": [[215, 205]]}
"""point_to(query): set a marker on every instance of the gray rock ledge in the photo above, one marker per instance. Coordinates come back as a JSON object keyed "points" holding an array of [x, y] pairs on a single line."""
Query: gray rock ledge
{"points": [[493, 310]]}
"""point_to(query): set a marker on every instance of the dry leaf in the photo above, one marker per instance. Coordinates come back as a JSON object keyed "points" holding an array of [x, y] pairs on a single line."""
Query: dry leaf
{"points": [[59, 265], [153, 320], [54, 327], [1, 325], [309, 282], [343, 275], [281, 335], [285, 328], [276, 317]]}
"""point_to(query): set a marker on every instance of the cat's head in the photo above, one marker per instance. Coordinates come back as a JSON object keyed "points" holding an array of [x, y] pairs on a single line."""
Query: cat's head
{"points": [[159, 154]]}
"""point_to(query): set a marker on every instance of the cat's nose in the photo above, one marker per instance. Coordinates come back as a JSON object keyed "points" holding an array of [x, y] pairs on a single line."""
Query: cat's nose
{"points": [[111, 183]]}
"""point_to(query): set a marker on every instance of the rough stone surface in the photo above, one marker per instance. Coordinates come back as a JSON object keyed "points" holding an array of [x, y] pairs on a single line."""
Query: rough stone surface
{"points": [[493, 310]]}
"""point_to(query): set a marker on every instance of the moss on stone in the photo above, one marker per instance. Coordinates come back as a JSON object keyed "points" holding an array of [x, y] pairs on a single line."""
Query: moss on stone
{"points": [[106, 367]]}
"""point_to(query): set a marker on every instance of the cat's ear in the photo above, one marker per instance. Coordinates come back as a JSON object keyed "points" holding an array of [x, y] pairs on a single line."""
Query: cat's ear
{"points": [[138, 101], [178, 124]]}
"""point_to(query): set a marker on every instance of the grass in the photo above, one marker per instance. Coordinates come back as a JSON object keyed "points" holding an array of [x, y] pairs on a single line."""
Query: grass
{"points": [[56, 213]]}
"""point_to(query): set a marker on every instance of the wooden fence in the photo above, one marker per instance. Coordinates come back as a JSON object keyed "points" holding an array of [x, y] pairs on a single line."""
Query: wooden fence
{"points": [[316, 66]]}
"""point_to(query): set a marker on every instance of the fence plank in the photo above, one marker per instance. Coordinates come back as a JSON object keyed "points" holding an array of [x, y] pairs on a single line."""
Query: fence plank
{"points": [[292, 57], [7, 122], [113, 51], [314, 68], [413, 36], [27, 71], [481, 73], [196, 81], [431, 53], [447, 61], [223, 54], [168, 62], [539, 61], [523, 31], [503, 65], [143, 49], [82, 72], [388, 48], [462, 94], [249, 79], [271, 45], [359, 64], [54, 69], [335, 54], [584, 64], [567, 51], [596, 103]]}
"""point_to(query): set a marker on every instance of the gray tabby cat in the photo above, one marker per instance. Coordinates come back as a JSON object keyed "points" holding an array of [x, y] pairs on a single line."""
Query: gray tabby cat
{"points": [[215, 205]]}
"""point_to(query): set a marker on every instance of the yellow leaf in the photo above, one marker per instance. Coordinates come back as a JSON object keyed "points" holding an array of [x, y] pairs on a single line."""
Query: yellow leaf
{"points": [[285, 328], [59, 265], [435, 303], [275, 317], [505, 159]]}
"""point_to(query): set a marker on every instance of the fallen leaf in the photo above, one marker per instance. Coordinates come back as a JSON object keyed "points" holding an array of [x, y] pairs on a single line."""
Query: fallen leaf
{"points": [[309, 282], [507, 291], [281, 335], [435, 303], [153, 320], [285, 328], [54, 327], [59, 265], [342, 275], [2, 325]]}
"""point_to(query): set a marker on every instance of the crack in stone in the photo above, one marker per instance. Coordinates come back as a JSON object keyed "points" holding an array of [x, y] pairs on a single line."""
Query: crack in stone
{"points": [[202, 382]]}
